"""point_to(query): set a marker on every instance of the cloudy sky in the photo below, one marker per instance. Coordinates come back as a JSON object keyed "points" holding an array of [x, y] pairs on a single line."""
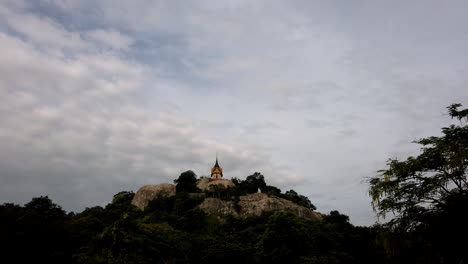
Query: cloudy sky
{"points": [[103, 96]]}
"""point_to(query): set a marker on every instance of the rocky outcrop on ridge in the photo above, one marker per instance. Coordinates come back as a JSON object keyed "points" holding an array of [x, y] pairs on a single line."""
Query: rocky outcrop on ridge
{"points": [[254, 205], [148, 193], [245, 206]]}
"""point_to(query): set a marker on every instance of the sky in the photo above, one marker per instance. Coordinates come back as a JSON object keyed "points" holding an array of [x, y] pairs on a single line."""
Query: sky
{"points": [[104, 96]]}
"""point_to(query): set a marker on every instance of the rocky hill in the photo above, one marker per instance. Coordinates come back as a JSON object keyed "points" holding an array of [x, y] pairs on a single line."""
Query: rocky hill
{"points": [[147, 193], [254, 205], [245, 206]]}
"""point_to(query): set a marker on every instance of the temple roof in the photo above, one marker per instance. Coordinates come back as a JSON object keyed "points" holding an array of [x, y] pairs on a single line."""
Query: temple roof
{"points": [[216, 168], [216, 164]]}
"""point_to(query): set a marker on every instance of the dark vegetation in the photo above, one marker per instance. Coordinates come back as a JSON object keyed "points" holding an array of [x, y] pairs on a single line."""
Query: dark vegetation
{"points": [[427, 194], [172, 230]]}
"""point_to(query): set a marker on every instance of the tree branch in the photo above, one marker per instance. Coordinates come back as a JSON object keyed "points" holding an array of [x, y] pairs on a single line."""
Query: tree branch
{"points": [[419, 178], [458, 184], [433, 199]]}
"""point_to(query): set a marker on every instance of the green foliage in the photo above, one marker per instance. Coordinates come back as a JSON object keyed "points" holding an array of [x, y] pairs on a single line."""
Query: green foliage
{"points": [[299, 199], [121, 203], [187, 182], [284, 240], [455, 113], [418, 185], [336, 218], [272, 190], [428, 195], [37, 232], [173, 230], [124, 198], [251, 184]]}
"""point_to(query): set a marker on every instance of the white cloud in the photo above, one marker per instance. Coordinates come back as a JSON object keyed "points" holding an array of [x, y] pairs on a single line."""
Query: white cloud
{"points": [[110, 38], [76, 123], [42, 31]]}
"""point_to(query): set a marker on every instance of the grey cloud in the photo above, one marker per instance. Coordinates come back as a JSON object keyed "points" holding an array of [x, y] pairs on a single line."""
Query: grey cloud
{"points": [[263, 127], [317, 123], [110, 38], [104, 100], [72, 129]]}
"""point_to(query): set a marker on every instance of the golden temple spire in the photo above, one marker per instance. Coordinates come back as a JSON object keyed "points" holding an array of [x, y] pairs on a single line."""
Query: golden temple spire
{"points": [[216, 171]]}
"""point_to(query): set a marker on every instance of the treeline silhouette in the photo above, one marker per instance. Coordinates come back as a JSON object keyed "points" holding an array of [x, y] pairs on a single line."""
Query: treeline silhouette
{"points": [[172, 230]]}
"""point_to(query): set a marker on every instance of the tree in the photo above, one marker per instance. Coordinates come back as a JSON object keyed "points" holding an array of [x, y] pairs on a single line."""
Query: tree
{"points": [[337, 218], [253, 183], [121, 203], [272, 190], [284, 240], [299, 199], [123, 197], [428, 194], [43, 233], [187, 182], [419, 185]]}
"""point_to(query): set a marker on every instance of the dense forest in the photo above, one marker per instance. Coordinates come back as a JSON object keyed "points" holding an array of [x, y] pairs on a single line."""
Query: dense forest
{"points": [[425, 198]]}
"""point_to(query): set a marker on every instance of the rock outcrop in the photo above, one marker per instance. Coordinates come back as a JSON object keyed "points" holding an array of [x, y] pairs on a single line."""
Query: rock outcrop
{"points": [[205, 184], [254, 205], [148, 193], [245, 206]]}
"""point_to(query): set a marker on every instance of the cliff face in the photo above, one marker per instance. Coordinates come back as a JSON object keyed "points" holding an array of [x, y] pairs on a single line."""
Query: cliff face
{"points": [[254, 205], [247, 206], [148, 193]]}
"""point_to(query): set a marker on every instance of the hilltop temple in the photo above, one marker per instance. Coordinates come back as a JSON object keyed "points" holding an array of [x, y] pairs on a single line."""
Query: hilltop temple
{"points": [[216, 171]]}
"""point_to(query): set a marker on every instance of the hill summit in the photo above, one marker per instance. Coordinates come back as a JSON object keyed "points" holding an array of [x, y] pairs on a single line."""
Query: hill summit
{"points": [[223, 198]]}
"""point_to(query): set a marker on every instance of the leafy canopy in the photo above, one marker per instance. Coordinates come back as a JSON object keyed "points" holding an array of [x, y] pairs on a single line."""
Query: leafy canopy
{"points": [[187, 182], [421, 185]]}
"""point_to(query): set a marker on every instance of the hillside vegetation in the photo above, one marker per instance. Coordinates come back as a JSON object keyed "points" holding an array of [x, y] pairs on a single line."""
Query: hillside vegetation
{"points": [[173, 229]]}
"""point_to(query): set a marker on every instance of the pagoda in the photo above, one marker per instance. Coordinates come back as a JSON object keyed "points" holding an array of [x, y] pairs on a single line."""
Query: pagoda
{"points": [[216, 171]]}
